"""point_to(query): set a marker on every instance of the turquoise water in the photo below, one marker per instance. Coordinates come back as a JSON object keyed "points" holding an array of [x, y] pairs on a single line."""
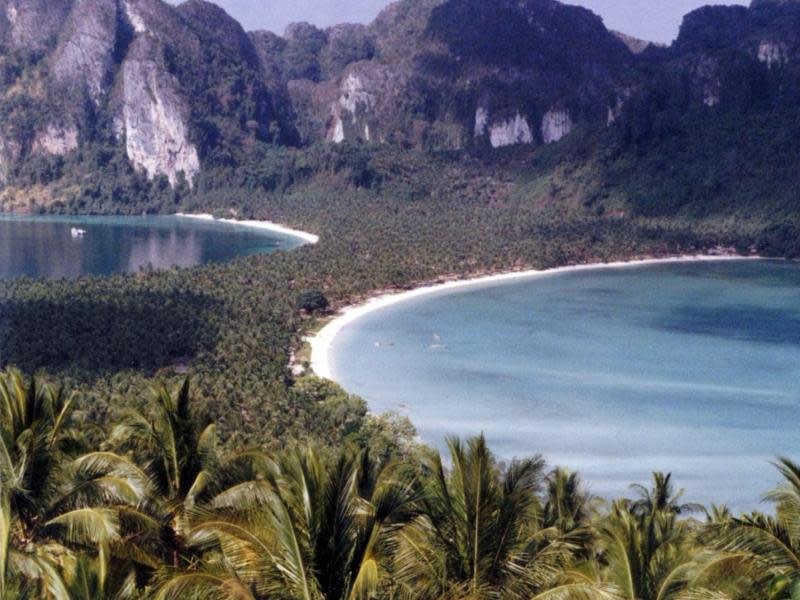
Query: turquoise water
{"points": [[688, 368], [44, 246]]}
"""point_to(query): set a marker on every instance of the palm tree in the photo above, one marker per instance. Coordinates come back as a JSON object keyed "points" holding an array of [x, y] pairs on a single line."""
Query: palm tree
{"points": [[300, 528], [764, 551], [84, 580], [649, 552], [718, 514], [180, 456], [480, 533], [661, 498], [566, 503], [52, 497]]}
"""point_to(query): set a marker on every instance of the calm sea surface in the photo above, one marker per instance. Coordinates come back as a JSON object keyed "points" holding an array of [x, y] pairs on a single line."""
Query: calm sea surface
{"points": [[688, 368], [45, 247]]}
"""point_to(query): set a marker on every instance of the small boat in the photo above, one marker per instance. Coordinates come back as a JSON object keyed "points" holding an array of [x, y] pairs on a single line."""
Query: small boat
{"points": [[77, 233], [437, 343]]}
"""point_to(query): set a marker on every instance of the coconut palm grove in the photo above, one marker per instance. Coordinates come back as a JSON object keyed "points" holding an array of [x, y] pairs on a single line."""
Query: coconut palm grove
{"points": [[190, 210], [152, 506]]}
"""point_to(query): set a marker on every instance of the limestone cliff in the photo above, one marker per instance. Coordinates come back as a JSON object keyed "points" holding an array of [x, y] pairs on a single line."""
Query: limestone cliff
{"points": [[85, 52], [724, 50], [32, 24], [56, 140], [177, 89], [143, 66], [460, 73], [153, 117]]}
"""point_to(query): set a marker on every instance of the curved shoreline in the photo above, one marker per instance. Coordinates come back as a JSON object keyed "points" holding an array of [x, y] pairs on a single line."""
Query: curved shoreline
{"points": [[321, 343], [309, 238]]}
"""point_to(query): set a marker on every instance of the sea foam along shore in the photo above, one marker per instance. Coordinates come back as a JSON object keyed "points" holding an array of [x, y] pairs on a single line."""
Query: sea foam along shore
{"points": [[267, 225], [322, 342]]}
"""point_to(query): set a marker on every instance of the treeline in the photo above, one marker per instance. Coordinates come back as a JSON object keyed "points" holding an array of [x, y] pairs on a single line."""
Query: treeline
{"points": [[670, 160], [389, 218], [661, 163], [150, 506], [234, 326]]}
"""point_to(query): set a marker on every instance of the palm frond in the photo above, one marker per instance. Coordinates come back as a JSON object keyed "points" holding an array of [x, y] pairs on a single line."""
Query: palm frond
{"points": [[202, 586], [578, 591]]}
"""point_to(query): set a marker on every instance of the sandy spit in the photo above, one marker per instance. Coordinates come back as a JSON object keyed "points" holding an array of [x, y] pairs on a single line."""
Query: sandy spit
{"points": [[267, 225]]}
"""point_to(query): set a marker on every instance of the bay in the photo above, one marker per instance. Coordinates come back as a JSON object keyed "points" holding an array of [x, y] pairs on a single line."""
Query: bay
{"points": [[47, 246], [691, 368]]}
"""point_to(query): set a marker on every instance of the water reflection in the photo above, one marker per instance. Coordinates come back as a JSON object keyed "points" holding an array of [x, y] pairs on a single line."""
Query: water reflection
{"points": [[165, 252], [44, 247]]}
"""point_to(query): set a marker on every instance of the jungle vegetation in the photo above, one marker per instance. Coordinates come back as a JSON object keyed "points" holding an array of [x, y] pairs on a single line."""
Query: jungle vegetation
{"points": [[150, 505], [389, 218], [265, 483], [260, 482]]}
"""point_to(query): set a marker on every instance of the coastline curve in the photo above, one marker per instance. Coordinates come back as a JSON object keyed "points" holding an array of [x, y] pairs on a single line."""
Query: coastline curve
{"points": [[321, 343], [309, 238]]}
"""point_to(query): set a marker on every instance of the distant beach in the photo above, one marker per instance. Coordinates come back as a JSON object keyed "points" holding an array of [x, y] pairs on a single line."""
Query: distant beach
{"points": [[322, 342], [266, 225]]}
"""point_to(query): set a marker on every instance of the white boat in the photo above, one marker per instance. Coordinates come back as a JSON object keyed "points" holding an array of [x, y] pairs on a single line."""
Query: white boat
{"points": [[77, 233]]}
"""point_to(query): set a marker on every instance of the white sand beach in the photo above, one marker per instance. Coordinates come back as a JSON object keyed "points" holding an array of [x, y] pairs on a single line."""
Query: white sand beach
{"points": [[321, 343], [266, 225]]}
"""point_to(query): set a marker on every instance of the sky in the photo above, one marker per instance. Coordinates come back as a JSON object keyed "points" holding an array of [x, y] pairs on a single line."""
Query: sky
{"points": [[653, 20]]}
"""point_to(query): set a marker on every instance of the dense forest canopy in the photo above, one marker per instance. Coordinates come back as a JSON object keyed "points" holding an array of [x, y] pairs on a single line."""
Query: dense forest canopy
{"points": [[150, 506], [472, 137], [698, 156]]}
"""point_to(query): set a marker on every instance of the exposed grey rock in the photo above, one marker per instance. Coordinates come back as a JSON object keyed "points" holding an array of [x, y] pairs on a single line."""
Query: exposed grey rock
{"points": [[772, 53], [556, 124], [154, 116], [369, 106], [634, 44], [85, 52], [56, 140], [510, 132], [33, 24], [184, 83]]}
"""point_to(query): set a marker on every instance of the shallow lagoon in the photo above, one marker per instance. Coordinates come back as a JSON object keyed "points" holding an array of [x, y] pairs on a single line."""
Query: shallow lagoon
{"points": [[692, 368], [45, 246]]}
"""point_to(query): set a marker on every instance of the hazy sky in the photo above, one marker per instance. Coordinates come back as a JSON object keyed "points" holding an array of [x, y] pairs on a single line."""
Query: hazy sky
{"points": [[655, 20]]}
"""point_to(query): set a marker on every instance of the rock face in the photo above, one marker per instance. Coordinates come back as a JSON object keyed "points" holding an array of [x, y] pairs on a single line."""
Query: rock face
{"points": [[142, 65], [459, 73], [635, 45], [725, 51], [181, 88], [352, 110], [510, 132], [33, 24], [154, 119], [85, 52], [555, 125], [772, 53], [363, 93], [56, 140]]}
